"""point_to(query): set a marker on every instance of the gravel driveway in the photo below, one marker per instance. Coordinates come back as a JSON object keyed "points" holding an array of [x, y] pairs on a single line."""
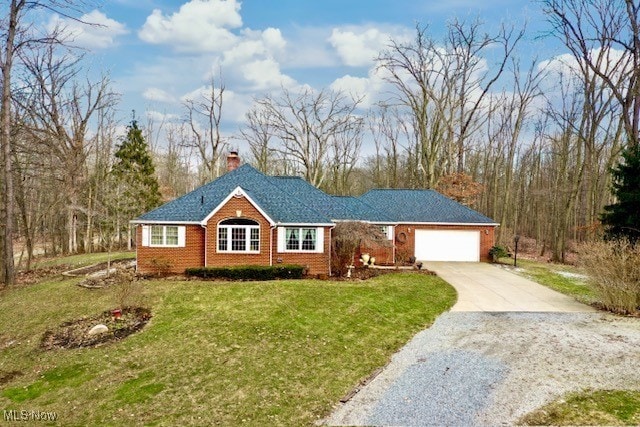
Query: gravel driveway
{"points": [[484, 368]]}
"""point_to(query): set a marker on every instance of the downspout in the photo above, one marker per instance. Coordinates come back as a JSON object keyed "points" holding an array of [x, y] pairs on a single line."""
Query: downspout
{"points": [[330, 239], [393, 244], [271, 245], [205, 243], [136, 234]]}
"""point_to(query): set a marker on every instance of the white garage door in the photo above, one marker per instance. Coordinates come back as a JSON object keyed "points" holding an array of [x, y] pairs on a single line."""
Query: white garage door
{"points": [[447, 245]]}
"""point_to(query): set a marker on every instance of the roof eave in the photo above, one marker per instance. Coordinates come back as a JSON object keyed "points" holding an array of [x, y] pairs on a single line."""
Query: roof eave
{"points": [[155, 221], [485, 224], [304, 224]]}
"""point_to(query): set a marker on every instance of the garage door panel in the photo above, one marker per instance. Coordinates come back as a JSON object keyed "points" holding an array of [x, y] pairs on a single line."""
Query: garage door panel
{"points": [[447, 245]]}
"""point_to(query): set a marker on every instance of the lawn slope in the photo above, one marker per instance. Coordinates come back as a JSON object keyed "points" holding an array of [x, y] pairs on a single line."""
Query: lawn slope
{"points": [[270, 353]]}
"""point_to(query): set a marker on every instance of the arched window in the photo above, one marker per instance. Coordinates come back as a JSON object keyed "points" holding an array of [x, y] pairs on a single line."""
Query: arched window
{"points": [[239, 235]]}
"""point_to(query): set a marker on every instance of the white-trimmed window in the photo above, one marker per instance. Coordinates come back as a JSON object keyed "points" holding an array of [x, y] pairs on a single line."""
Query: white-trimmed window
{"points": [[239, 235], [387, 230], [163, 235], [300, 239]]}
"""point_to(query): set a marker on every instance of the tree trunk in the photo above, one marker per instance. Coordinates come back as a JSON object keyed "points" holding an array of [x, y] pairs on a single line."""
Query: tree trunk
{"points": [[8, 270]]}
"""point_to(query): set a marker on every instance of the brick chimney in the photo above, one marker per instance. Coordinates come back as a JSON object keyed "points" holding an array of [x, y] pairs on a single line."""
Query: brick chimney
{"points": [[233, 161]]}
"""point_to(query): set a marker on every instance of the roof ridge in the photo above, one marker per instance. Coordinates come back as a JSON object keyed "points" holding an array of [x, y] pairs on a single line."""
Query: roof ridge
{"points": [[197, 189], [270, 178]]}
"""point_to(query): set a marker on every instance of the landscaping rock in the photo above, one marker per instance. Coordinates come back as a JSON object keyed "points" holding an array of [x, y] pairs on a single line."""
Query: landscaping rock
{"points": [[98, 329], [73, 334]]}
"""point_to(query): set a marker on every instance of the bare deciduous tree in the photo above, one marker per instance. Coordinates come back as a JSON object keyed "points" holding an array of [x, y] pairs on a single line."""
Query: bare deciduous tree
{"points": [[307, 124], [17, 38], [59, 109], [604, 38], [207, 140], [445, 86], [257, 132]]}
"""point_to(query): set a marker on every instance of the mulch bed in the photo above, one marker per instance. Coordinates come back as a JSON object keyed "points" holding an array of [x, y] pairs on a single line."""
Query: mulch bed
{"points": [[364, 273], [75, 333]]}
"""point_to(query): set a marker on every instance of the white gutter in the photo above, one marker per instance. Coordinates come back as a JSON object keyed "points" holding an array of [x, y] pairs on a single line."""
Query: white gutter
{"points": [[485, 224], [142, 222]]}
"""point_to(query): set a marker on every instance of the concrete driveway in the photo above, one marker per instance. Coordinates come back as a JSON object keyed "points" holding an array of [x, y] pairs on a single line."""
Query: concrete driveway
{"points": [[484, 365], [486, 287]]}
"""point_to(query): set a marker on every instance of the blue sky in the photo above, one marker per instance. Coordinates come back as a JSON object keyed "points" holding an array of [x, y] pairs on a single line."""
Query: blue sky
{"points": [[160, 52]]}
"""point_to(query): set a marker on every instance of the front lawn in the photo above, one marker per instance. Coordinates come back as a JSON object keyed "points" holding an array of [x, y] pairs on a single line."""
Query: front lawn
{"points": [[270, 353]]}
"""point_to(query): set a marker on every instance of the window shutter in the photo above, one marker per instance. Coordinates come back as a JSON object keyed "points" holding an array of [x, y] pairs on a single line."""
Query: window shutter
{"points": [[182, 236], [145, 235], [390, 232], [281, 238], [320, 240]]}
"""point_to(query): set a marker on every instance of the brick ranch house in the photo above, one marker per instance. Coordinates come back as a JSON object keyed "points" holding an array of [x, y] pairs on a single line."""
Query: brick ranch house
{"points": [[248, 218]]}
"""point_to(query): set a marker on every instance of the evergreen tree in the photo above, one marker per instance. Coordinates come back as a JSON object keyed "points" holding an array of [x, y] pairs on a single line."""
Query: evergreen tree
{"points": [[135, 174], [622, 219]]}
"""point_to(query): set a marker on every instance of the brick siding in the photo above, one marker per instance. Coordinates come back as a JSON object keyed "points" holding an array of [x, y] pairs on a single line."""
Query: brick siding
{"points": [[235, 206], [193, 254], [315, 263], [154, 259], [406, 249]]}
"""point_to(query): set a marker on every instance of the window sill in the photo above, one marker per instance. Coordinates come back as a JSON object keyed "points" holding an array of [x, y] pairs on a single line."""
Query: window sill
{"points": [[239, 252]]}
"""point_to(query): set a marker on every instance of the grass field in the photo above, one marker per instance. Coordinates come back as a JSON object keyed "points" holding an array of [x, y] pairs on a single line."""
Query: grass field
{"points": [[604, 407], [270, 353], [83, 260], [566, 279]]}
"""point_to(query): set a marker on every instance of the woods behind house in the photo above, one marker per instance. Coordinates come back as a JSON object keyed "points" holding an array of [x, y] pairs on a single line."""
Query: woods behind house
{"points": [[529, 143]]}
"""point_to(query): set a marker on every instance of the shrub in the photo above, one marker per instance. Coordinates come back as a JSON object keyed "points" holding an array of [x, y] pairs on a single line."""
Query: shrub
{"points": [[127, 289], [347, 237], [161, 267], [613, 268], [496, 252], [250, 272]]}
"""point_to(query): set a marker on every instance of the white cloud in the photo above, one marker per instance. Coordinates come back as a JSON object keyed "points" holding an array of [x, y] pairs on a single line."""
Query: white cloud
{"points": [[158, 117], [310, 49], [359, 49], [268, 43], [234, 105], [199, 26], [357, 87], [368, 90], [158, 95], [265, 74], [273, 39], [96, 31], [610, 61]]}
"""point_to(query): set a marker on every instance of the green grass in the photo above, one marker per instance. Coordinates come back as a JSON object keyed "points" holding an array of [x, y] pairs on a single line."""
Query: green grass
{"points": [[548, 274], [52, 379], [270, 353], [603, 407], [83, 260]]}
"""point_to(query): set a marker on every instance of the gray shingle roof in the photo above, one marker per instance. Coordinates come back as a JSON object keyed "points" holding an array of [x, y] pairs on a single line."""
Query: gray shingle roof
{"points": [[420, 206], [274, 196], [292, 200], [356, 209]]}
